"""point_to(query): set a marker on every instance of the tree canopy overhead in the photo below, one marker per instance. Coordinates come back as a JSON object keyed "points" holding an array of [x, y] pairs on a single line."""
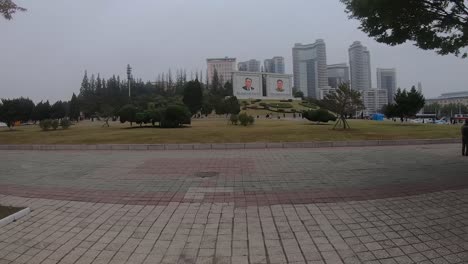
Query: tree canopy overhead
{"points": [[440, 25], [8, 8]]}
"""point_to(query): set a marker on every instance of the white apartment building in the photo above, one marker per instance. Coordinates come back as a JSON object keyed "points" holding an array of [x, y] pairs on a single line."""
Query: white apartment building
{"points": [[310, 67], [224, 66], [374, 100], [386, 79], [360, 67], [337, 74], [274, 65], [249, 66]]}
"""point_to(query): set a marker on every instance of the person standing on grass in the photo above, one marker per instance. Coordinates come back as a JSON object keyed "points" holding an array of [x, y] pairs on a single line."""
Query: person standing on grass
{"points": [[464, 131]]}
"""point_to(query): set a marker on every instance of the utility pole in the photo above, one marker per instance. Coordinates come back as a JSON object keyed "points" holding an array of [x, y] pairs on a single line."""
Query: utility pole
{"points": [[129, 77]]}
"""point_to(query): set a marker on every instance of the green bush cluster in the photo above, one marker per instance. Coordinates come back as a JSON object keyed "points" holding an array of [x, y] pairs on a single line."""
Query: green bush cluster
{"points": [[48, 124], [246, 120], [234, 119], [171, 116]]}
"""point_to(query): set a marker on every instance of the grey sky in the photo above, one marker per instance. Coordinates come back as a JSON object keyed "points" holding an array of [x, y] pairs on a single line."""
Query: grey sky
{"points": [[46, 49]]}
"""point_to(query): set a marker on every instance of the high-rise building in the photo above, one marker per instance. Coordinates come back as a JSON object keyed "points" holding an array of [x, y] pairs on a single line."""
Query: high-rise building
{"points": [[310, 68], [420, 89], [374, 100], [337, 74], [360, 67], [250, 66], [386, 79], [274, 65], [224, 66]]}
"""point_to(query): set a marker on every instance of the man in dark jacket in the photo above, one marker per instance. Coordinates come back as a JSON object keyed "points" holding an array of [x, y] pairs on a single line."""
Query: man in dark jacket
{"points": [[464, 131]]}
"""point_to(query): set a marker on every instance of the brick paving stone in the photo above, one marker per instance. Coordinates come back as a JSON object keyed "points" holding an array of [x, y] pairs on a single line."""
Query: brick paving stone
{"points": [[280, 206]]}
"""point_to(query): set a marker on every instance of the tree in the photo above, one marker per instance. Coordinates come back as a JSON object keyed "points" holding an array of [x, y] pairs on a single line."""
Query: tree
{"points": [[231, 105], [298, 94], [128, 114], [207, 108], [193, 96], [344, 102], [74, 108], [58, 110], [440, 25], [106, 112], [8, 8], [215, 83], [175, 116], [407, 104], [41, 111], [390, 110], [14, 110]]}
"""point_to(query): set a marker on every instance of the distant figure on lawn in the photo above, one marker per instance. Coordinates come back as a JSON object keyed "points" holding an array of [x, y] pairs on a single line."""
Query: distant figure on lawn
{"points": [[464, 131]]}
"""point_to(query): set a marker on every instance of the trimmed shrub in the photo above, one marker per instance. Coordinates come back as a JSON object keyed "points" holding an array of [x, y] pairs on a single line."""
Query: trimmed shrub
{"points": [[142, 118], [318, 116], [281, 110], [263, 104], [281, 105], [55, 124], [246, 120], [65, 123], [128, 114], [234, 119], [45, 124], [176, 116]]}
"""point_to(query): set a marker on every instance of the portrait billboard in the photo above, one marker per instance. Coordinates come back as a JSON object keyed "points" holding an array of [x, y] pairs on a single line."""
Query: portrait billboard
{"points": [[247, 85], [279, 86]]}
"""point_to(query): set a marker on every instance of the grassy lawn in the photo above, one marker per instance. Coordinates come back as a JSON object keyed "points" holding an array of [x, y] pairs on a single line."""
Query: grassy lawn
{"points": [[214, 130]]}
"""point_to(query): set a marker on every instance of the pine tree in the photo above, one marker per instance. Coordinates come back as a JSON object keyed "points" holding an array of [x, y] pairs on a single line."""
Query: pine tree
{"points": [[193, 96]]}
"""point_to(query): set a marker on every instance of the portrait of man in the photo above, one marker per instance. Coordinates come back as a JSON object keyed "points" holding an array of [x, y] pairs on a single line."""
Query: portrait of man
{"points": [[279, 86], [248, 85]]}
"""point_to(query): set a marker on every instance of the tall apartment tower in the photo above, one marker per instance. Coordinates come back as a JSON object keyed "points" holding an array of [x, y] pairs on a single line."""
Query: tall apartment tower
{"points": [[360, 67], [310, 68], [224, 66], [274, 65], [337, 74], [386, 80], [250, 66]]}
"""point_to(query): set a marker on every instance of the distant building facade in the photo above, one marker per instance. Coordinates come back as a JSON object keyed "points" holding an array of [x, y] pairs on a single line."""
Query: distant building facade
{"points": [[310, 68], [325, 91], [386, 79], [250, 66], [224, 66], [360, 67], [374, 100], [450, 98], [274, 65], [337, 74]]}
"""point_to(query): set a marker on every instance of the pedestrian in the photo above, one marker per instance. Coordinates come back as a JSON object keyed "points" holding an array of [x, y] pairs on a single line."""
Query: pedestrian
{"points": [[464, 131]]}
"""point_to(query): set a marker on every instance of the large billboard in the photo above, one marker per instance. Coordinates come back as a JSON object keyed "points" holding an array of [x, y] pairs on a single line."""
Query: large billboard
{"points": [[247, 85], [278, 86]]}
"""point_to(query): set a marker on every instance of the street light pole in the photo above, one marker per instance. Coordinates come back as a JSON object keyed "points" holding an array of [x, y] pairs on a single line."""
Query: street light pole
{"points": [[129, 77]]}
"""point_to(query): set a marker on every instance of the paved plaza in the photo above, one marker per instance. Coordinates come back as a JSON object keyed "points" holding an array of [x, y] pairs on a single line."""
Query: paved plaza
{"points": [[400, 204]]}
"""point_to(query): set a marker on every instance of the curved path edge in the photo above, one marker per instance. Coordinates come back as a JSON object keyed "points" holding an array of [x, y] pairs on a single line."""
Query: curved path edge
{"points": [[224, 146]]}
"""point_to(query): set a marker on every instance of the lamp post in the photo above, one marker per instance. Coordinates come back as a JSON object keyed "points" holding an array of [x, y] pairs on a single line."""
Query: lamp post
{"points": [[129, 77]]}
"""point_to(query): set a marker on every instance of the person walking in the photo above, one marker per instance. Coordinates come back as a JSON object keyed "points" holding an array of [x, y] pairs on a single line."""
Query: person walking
{"points": [[464, 131]]}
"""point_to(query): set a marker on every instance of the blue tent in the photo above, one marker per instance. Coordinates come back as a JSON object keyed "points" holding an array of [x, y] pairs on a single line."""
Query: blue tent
{"points": [[378, 117]]}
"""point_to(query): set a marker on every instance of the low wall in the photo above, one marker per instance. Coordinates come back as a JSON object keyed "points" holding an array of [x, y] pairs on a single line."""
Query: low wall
{"points": [[272, 145]]}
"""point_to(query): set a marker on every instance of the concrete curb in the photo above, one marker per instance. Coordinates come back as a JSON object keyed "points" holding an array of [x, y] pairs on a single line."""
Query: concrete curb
{"points": [[224, 146], [14, 217]]}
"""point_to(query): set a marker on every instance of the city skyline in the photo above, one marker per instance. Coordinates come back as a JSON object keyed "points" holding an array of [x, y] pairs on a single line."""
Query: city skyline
{"points": [[49, 51]]}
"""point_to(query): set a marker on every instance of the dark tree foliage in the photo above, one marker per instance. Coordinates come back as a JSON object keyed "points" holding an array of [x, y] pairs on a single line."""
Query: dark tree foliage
{"points": [[231, 105], [74, 111], [128, 114], [58, 110], [14, 110], [8, 8], [41, 111], [175, 116], [344, 102], [407, 104], [193, 96], [440, 25]]}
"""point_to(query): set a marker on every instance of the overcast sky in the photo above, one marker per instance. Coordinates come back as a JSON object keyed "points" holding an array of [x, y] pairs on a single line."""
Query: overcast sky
{"points": [[46, 49]]}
